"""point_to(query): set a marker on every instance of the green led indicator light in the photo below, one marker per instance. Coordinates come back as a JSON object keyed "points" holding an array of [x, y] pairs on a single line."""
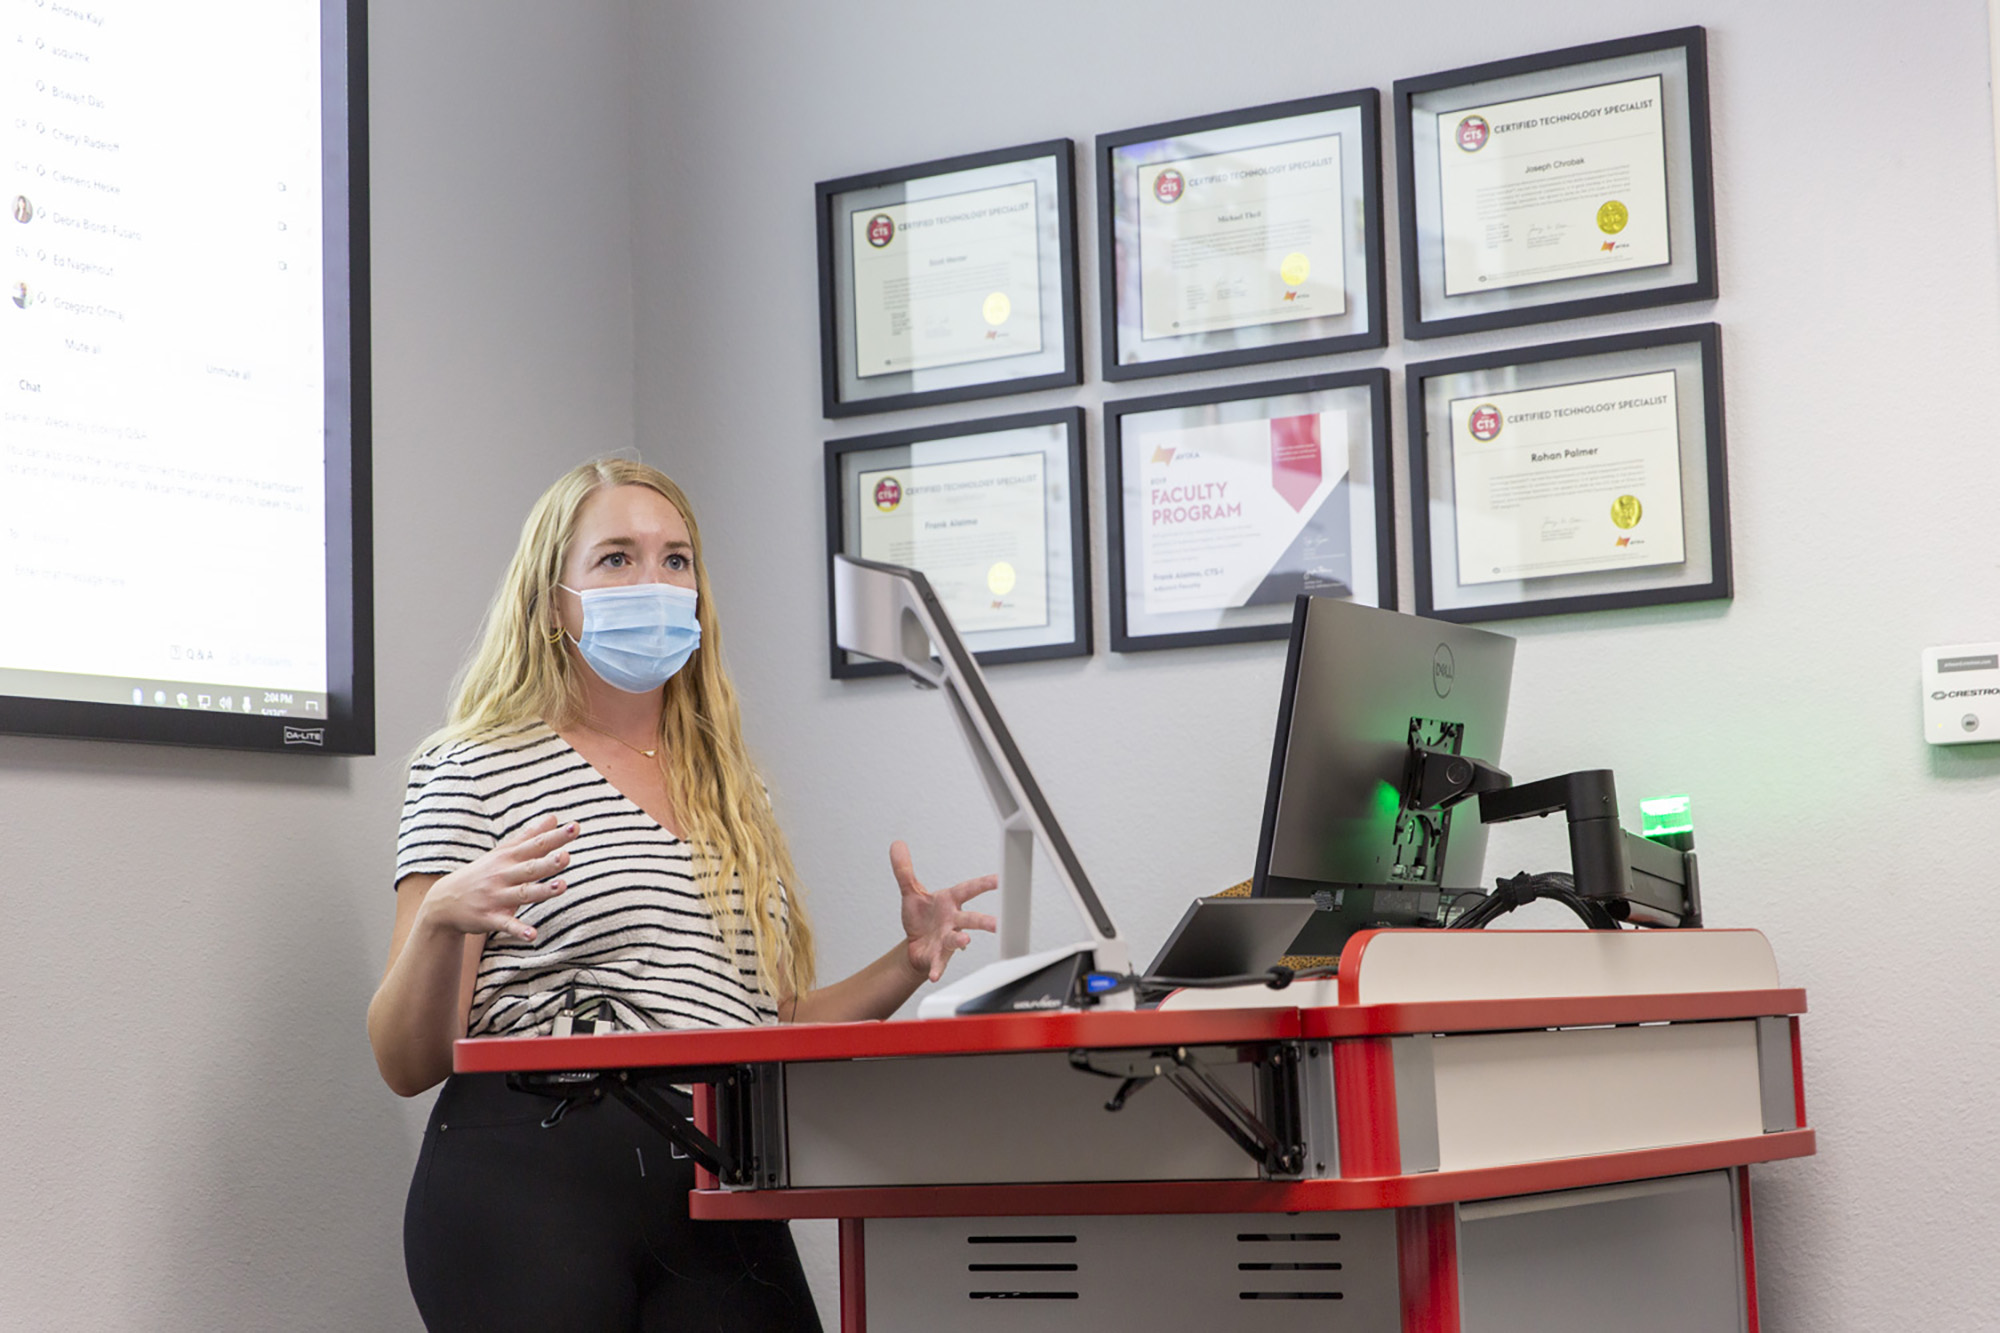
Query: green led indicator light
{"points": [[1661, 815]]}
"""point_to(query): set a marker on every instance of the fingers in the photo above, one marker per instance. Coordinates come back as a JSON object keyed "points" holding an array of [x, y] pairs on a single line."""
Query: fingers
{"points": [[976, 921], [545, 842], [534, 828], [540, 867], [529, 894], [972, 888], [899, 864], [505, 922], [537, 837], [948, 943]]}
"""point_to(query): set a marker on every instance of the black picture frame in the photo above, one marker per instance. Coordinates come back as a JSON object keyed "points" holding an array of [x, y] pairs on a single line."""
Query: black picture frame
{"points": [[1272, 621], [841, 399], [840, 539], [1428, 313], [1706, 575], [349, 726], [1366, 290]]}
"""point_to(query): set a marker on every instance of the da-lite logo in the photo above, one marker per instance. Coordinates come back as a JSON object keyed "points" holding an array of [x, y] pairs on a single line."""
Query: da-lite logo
{"points": [[1442, 670], [305, 736]]}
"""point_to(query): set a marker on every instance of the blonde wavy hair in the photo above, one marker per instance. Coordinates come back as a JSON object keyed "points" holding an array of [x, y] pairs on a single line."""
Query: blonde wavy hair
{"points": [[516, 675]]}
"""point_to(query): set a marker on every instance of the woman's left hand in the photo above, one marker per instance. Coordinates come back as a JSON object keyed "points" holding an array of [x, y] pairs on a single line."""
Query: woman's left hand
{"points": [[936, 924]]}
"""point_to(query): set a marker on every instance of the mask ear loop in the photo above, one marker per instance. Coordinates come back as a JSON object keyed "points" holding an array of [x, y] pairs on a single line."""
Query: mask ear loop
{"points": [[556, 631]]}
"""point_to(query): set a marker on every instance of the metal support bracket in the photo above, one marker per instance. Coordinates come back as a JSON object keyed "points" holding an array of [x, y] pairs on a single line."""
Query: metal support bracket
{"points": [[1275, 1147], [634, 1088]]}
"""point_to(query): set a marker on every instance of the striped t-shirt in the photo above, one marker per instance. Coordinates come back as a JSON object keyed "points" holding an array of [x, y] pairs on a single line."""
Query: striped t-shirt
{"points": [[633, 928]]}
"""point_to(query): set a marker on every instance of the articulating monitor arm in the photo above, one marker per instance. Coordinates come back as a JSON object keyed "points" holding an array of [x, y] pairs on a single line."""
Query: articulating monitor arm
{"points": [[890, 613], [1629, 877]]}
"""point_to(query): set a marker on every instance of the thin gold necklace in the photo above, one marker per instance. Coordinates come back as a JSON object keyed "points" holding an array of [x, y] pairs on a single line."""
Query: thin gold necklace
{"points": [[650, 754]]}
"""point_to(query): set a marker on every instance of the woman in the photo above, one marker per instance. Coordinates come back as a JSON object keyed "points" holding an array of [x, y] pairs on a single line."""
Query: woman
{"points": [[588, 838]]}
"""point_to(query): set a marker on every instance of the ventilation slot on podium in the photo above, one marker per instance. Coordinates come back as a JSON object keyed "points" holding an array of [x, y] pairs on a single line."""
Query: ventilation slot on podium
{"points": [[1293, 1253], [1015, 1254]]}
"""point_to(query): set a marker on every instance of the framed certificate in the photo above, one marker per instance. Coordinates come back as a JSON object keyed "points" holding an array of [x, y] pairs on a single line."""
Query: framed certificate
{"points": [[1575, 477], [1247, 236], [991, 511], [948, 280], [1224, 504], [1567, 184]]}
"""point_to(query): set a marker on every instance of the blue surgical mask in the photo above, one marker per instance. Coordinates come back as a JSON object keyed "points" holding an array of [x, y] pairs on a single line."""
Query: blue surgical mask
{"points": [[638, 635]]}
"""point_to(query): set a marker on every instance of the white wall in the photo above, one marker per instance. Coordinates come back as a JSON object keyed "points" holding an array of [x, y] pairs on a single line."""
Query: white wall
{"points": [[197, 1138], [1854, 166]]}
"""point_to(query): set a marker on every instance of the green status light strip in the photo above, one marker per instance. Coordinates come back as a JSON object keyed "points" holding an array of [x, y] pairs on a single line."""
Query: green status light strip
{"points": [[1661, 815]]}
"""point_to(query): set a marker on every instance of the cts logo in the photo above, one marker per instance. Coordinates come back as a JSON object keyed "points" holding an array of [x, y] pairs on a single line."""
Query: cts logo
{"points": [[881, 230], [1473, 132], [888, 494], [305, 736], [1484, 423], [1169, 186], [1443, 668]]}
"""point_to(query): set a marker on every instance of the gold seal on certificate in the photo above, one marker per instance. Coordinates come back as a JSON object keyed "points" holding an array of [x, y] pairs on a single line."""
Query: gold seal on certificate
{"points": [[1241, 238], [1553, 187], [1558, 480]]}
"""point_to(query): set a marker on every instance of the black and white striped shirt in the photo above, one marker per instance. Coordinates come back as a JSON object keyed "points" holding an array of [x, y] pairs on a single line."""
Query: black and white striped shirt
{"points": [[633, 927]]}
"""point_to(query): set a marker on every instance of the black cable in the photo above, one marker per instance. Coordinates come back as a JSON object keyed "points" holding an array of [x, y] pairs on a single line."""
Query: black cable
{"points": [[1277, 978], [1551, 886]]}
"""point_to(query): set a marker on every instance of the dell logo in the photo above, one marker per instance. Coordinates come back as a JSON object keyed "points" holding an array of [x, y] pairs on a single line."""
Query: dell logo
{"points": [[1442, 669], [305, 735]]}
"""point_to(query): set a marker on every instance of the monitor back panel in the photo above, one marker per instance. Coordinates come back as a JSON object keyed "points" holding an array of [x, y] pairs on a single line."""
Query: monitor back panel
{"points": [[1361, 684]]}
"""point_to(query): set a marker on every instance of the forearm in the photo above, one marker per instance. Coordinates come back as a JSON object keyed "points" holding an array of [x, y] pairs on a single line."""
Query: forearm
{"points": [[417, 1011], [876, 991]]}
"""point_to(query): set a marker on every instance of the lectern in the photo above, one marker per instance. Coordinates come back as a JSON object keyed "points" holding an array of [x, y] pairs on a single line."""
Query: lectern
{"points": [[1465, 1132]]}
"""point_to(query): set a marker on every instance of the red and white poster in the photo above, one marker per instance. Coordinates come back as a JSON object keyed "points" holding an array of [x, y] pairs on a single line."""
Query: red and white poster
{"points": [[1241, 513]]}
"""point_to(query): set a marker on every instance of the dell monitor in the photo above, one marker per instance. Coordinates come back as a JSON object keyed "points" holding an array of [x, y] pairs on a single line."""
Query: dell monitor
{"points": [[1366, 693]]}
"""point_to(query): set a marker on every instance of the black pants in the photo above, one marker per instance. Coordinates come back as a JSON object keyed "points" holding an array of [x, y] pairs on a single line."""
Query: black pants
{"points": [[580, 1226]]}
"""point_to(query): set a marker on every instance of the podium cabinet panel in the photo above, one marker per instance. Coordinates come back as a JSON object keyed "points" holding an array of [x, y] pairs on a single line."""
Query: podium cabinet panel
{"points": [[1216, 1273], [1537, 1096], [1653, 1256], [998, 1119]]}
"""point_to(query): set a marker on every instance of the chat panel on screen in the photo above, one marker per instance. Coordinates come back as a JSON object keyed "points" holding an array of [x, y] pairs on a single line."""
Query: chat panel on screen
{"points": [[174, 350]]}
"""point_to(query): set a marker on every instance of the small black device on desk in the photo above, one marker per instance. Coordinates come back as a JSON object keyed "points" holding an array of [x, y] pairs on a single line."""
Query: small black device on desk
{"points": [[1227, 937]]}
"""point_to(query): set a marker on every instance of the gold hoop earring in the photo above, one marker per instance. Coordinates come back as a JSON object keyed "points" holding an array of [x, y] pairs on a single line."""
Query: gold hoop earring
{"points": [[556, 635]]}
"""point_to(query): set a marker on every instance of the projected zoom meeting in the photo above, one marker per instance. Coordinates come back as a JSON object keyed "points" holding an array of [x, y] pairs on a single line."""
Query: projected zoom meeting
{"points": [[164, 461]]}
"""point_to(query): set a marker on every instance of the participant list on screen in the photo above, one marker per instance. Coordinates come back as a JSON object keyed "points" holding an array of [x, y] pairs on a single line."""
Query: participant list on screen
{"points": [[162, 352]]}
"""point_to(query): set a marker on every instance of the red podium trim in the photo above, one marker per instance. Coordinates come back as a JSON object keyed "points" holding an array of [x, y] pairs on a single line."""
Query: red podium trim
{"points": [[985, 1034], [854, 1276], [1427, 1268], [1749, 1251], [1364, 1097]]}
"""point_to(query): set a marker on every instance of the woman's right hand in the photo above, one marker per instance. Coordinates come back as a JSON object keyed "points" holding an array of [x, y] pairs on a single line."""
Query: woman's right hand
{"points": [[481, 898]]}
